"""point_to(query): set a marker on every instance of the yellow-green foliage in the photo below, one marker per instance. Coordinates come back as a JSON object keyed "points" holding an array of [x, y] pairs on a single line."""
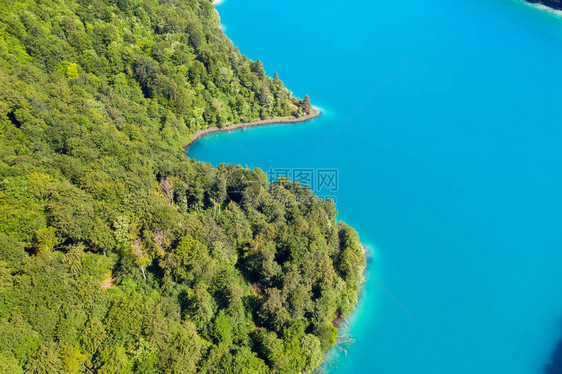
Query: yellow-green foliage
{"points": [[70, 69]]}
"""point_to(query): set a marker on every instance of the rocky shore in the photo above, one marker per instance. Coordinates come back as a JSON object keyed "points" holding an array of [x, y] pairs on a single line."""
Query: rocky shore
{"points": [[554, 4]]}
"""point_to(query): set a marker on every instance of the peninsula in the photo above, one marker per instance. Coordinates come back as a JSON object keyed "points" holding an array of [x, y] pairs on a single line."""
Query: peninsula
{"points": [[314, 112]]}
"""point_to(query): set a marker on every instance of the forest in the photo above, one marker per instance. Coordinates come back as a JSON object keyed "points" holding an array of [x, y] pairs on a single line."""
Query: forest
{"points": [[118, 253]]}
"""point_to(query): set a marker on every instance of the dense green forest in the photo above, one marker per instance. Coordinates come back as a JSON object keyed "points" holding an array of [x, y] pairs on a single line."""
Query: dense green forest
{"points": [[118, 253]]}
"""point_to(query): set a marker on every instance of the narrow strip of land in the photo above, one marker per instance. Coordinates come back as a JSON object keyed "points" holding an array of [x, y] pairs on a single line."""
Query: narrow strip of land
{"points": [[270, 121]]}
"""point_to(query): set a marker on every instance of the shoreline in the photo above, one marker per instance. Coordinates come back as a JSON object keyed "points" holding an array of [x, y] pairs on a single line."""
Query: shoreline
{"points": [[270, 121], [552, 5]]}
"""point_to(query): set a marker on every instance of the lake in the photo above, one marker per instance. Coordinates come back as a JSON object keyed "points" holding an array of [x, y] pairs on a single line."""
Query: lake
{"points": [[442, 129]]}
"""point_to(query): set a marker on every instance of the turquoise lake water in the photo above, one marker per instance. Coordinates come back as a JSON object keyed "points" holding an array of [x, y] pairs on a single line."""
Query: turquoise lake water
{"points": [[451, 172]]}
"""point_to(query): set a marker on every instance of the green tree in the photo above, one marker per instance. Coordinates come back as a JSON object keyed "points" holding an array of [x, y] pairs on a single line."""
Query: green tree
{"points": [[46, 360], [113, 361], [305, 105], [72, 359], [46, 239], [9, 364]]}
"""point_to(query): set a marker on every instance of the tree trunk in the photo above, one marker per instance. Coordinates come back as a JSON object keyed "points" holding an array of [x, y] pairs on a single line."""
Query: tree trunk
{"points": [[143, 274]]}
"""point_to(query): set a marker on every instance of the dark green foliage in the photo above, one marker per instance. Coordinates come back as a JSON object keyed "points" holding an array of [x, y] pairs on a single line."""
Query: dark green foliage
{"points": [[305, 105], [118, 254]]}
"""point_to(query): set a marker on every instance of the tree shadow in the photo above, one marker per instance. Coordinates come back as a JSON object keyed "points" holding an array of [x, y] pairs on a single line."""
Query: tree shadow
{"points": [[555, 364]]}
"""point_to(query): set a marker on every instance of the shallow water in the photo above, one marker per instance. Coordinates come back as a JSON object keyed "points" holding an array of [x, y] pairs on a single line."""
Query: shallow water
{"points": [[442, 120]]}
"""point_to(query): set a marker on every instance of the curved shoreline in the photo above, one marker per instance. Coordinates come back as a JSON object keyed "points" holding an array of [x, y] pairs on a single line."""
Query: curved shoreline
{"points": [[270, 121], [550, 4]]}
